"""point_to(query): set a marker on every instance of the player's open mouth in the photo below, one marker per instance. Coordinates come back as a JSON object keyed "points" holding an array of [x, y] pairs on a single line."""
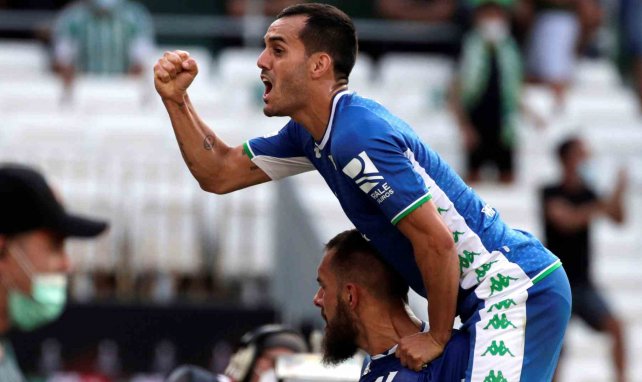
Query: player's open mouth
{"points": [[268, 87]]}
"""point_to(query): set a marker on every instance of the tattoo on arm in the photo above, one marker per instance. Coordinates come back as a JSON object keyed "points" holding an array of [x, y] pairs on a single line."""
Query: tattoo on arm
{"points": [[208, 142]]}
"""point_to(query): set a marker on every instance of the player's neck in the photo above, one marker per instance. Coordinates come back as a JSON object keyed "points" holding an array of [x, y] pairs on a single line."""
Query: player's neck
{"points": [[385, 328], [316, 116]]}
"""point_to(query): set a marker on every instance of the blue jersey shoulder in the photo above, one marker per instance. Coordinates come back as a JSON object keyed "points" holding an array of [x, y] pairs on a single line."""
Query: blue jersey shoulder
{"points": [[357, 127]]}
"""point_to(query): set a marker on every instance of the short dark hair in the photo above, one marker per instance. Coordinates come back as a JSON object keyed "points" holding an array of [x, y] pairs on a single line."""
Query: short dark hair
{"points": [[565, 147], [330, 30], [356, 260]]}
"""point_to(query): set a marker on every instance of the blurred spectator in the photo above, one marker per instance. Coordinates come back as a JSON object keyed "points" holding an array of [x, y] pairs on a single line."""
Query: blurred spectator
{"points": [[267, 8], [486, 95], [255, 359], [102, 37], [558, 29], [569, 208], [33, 262], [418, 10], [630, 22]]}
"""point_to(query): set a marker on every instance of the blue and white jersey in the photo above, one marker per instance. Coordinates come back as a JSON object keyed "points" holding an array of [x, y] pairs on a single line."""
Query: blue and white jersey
{"points": [[450, 366], [381, 171]]}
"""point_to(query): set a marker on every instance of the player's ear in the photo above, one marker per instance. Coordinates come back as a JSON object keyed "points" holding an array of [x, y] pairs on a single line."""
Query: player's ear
{"points": [[320, 64], [352, 295]]}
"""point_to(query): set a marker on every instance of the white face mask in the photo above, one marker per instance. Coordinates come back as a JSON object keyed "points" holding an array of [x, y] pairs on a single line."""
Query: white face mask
{"points": [[46, 301], [586, 171], [494, 30]]}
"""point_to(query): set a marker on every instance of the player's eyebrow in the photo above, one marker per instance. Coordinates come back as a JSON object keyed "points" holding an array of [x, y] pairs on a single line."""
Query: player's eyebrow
{"points": [[276, 38]]}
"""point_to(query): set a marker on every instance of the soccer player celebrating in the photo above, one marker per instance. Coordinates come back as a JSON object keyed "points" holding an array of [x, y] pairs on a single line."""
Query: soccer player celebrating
{"points": [[511, 293], [368, 310]]}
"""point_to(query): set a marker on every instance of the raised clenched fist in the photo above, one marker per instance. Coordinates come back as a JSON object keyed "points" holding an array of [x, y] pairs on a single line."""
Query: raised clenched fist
{"points": [[173, 74]]}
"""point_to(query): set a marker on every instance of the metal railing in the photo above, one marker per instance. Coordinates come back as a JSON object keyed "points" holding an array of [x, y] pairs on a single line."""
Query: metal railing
{"points": [[250, 28]]}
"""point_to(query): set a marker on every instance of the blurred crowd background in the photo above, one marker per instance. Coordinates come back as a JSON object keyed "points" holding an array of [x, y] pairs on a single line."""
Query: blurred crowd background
{"points": [[182, 274]]}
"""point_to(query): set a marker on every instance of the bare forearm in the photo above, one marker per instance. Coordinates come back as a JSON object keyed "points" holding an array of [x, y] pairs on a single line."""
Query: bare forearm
{"points": [[436, 257], [201, 149], [568, 218], [440, 272], [218, 167]]}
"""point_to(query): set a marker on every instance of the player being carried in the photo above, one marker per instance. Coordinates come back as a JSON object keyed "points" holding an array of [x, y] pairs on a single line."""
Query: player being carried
{"points": [[368, 310], [511, 293]]}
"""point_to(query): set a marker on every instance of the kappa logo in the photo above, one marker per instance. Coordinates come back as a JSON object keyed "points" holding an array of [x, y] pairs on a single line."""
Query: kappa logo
{"points": [[364, 172]]}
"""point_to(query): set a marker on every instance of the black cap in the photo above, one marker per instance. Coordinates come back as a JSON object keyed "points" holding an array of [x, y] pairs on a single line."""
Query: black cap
{"points": [[27, 203]]}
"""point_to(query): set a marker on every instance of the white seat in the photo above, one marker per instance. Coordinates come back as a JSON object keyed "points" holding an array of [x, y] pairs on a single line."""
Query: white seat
{"points": [[405, 102], [247, 237], [415, 70], [362, 75], [596, 73], [635, 176], [239, 79], [614, 142], [238, 66], [161, 216], [323, 209], [43, 134], [412, 82], [37, 94], [109, 95], [605, 106], [22, 59], [115, 135]]}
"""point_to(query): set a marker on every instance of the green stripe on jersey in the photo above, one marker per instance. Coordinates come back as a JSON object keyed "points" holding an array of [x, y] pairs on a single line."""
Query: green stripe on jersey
{"points": [[411, 208], [547, 271], [248, 150]]}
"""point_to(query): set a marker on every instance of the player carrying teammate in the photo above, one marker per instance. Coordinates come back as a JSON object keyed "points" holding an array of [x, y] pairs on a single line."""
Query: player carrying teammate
{"points": [[511, 293]]}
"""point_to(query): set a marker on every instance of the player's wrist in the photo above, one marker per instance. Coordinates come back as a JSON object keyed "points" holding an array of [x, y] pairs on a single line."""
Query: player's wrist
{"points": [[440, 338], [175, 100]]}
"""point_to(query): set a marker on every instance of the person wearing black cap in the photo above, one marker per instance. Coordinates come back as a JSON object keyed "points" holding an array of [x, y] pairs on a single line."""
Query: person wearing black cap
{"points": [[254, 360], [33, 262]]}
